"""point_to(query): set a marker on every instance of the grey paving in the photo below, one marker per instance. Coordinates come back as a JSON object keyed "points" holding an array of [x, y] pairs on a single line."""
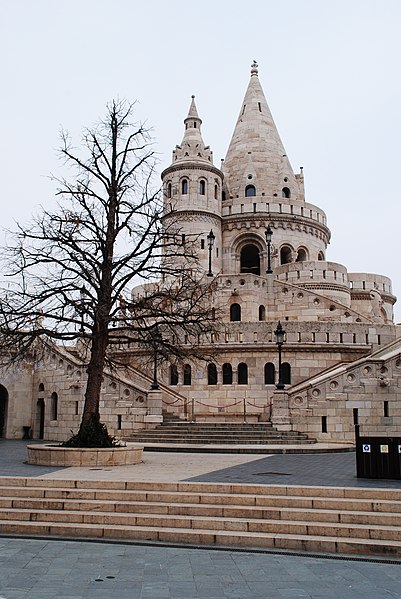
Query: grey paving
{"points": [[13, 457], [37, 569], [323, 469]]}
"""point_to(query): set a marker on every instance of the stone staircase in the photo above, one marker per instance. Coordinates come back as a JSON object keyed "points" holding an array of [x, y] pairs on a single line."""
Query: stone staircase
{"points": [[176, 432], [326, 519]]}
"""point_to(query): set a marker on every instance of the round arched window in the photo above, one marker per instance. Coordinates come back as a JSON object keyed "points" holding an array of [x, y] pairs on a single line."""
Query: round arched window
{"points": [[250, 191]]}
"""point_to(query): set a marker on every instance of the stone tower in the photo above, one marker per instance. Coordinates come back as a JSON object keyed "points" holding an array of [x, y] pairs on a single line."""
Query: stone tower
{"points": [[331, 317], [192, 189]]}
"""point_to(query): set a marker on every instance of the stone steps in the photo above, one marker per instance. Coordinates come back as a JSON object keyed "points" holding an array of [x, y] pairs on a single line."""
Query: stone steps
{"points": [[348, 520], [251, 525], [215, 433]]}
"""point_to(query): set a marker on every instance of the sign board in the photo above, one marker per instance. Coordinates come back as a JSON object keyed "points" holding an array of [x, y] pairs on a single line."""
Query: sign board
{"points": [[366, 448], [383, 448]]}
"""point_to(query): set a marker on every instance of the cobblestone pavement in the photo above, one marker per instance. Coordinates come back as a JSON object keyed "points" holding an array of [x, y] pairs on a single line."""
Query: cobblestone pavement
{"points": [[37, 569]]}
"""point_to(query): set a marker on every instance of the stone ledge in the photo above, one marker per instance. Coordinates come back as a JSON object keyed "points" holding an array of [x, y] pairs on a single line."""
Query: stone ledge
{"points": [[56, 455]]}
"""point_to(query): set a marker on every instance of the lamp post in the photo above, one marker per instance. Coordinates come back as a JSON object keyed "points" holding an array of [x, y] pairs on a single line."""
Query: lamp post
{"points": [[279, 332], [268, 234], [210, 243], [156, 339]]}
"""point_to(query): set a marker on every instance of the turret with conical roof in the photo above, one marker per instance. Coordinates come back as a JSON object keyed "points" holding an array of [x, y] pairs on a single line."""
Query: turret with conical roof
{"points": [[192, 146], [256, 159], [260, 188], [193, 190]]}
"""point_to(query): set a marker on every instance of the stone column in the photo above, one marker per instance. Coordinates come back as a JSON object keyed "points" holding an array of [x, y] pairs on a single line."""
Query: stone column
{"points": [[153, 415], [281, 411]]}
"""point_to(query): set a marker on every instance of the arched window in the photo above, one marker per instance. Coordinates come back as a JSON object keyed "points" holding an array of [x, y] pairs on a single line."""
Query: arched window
{"points": [[211, 374], [184, 186], [216, 191], [286, 373], [53, 406], [227, 374], [242, 374], [302, 255], [223, 195], [269, 374], [320, 256], [202, 187], [250, 259], [41, 387], [213, 313], [250, 191], [262, 313], [187, 374], [235, 312], [285, 255], [169, 188], [173, 375], [285, 192]]}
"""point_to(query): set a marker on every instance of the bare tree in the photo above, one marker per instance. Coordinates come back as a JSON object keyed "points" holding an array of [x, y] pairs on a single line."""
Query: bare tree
{"points": [[69, 271]]}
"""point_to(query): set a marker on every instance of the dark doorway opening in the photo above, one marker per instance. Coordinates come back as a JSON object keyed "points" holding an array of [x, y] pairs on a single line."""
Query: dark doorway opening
{"points": [[250, 259], [40, 418], [3, 410]]}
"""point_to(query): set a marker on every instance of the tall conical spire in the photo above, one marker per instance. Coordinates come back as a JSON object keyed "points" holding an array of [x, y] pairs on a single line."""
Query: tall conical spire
{"points": [[192, 147], [256, 154]]}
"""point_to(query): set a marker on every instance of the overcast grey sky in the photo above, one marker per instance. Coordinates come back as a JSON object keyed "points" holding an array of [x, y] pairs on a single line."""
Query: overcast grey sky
{"points": [[330, 70]]}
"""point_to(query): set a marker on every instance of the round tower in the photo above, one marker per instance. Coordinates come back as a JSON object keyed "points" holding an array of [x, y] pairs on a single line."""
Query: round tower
{"points": [[192, 190]]}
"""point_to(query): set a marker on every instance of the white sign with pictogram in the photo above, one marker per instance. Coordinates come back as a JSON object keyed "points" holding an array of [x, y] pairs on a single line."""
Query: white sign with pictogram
{"points": [[383, 448], [366, 448]]}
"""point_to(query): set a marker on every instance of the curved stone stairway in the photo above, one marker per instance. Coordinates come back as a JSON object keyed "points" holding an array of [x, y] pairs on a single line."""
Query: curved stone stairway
{"points": [[328, 519]]}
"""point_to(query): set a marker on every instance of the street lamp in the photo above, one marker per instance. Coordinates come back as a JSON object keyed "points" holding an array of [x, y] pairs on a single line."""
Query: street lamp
{"points": [[210, 243], [268, 234], [279, 332], [156, 339]]}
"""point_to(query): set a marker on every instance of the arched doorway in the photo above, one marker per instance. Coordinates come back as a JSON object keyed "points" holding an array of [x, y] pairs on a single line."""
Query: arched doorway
{"points": [[250, 259], [40, 418], [3, 410]]}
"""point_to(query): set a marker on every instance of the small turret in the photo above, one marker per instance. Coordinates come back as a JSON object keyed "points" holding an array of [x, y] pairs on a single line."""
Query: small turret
{"points": [[192, 192], [192, 147]]}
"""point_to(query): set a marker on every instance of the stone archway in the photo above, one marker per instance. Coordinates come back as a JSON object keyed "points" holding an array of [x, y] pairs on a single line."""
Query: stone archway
{"points": [[3, 410]]}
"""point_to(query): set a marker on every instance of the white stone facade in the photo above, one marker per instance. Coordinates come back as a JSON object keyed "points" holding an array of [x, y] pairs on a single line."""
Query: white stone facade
{"points": [[341, 350]]}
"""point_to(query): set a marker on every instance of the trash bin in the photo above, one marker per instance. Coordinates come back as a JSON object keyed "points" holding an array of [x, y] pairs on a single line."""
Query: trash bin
{"points": [[377, 457]]}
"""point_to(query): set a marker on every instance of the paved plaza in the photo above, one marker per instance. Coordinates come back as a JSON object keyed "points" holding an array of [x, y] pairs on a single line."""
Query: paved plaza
{"points": [[80, 569], [38, 569]]}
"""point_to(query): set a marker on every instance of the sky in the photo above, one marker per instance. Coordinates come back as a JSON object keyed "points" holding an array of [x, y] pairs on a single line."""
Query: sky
{"points": [[330, 70]]}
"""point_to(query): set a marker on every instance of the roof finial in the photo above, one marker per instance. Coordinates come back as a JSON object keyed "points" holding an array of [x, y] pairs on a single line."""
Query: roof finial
{"points": [[254, 68]]}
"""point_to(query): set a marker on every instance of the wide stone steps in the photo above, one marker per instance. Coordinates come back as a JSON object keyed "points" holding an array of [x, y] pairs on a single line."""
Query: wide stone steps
{"points": [[349, 520], [214, 433], [299, 527]]}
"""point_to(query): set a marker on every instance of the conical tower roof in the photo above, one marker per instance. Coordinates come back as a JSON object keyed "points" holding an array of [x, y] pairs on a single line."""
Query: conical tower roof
{"points": [[256, 155], [192, 148]]}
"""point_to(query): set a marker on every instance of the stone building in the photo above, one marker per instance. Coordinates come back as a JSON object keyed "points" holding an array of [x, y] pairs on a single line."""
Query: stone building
{"points": [[263, 247]]}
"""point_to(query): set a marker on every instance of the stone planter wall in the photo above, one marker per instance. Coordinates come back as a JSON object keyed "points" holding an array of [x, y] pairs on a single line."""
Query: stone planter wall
{"points": [[55, 455]]}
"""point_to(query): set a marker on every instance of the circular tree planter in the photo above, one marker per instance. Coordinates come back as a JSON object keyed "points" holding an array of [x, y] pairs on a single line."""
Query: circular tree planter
{"points": [[56, 455]]}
